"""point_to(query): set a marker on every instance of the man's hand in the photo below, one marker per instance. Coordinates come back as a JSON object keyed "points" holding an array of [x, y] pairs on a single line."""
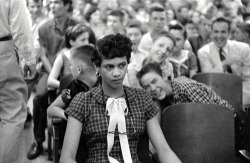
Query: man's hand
{"points": [[29, 71]]}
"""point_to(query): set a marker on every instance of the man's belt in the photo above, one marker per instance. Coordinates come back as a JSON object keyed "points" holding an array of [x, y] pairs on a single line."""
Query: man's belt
{"points": [[6, 38]]}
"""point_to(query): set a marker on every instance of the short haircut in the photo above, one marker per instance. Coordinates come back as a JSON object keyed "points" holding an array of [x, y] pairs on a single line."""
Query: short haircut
{"points": [[73, 32], [179, 27], [117, 13], [156, 8], [222, 20], [149, 68], [112, 46], [83, 54], [65, 2], [165, 34], [33, 1], [134, 23]]}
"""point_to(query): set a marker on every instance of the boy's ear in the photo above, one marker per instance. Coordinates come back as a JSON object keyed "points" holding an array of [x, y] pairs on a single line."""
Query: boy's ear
{"points": [[79, 69], [67, 6], [71, 42], [96, 68]]}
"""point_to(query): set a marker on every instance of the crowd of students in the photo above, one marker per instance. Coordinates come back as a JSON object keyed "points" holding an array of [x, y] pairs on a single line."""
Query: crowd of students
{"points": [[129, 61]]}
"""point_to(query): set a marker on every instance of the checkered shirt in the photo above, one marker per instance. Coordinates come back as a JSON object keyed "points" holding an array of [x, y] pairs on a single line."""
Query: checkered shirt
{"points": [[89, 108], [186, 90]]}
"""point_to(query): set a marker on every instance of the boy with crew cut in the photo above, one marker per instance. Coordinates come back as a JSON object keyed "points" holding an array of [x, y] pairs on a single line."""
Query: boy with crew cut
{"points": [[84, 75]]}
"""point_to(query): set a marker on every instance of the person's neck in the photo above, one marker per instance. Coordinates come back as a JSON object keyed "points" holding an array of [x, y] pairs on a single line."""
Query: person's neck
{"points": [[205, 37], [113, 92], [135, 49], [60, 21], [176, 55], [154, 33], [89, 79], [221, 47], [34, 17]]}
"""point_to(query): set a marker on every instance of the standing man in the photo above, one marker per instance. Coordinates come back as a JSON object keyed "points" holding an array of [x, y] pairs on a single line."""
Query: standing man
{"points": [[51, 40], [36, 18], [15, 45], [223, 55]]}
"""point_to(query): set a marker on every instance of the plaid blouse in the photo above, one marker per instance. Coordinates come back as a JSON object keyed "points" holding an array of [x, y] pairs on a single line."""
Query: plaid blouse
{"points": [[89, 108], [186, 90]]}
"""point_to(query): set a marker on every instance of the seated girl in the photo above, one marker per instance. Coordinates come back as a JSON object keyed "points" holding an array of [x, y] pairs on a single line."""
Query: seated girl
{"points": [[112, 116]]}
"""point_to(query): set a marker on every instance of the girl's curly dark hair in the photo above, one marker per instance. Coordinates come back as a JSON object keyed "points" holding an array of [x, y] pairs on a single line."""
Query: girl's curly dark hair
{"points": [[112, 46]]}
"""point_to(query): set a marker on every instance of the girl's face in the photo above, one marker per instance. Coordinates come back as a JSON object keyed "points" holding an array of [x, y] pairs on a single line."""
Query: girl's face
{"points": [[156, 85], [113, 72], [83, 39], [96, 16], [161, 49]]}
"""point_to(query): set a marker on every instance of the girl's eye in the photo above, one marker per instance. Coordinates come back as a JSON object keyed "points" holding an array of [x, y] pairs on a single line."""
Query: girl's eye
{"points": [[154, 81], [146, 87], [109, 67], [122, 65]]}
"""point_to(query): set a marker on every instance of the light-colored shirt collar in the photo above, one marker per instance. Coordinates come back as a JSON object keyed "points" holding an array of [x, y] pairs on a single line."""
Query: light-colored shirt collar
{"points": [[225, 48]]}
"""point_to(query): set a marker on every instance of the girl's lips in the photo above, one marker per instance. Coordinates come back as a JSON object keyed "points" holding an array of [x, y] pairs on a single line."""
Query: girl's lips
{"points": [[157, 93], [116, 81]]}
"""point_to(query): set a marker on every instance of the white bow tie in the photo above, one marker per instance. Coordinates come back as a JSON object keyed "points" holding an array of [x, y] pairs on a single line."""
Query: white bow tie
{"points": [[117, 110]]}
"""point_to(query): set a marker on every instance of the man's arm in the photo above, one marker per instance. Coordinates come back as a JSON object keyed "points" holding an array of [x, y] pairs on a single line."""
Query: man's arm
{"points": [[46, 63], [242, 64]]}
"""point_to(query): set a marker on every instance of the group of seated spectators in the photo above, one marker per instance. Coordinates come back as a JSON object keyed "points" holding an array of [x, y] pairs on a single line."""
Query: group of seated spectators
{"points": [[138, 50]]}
